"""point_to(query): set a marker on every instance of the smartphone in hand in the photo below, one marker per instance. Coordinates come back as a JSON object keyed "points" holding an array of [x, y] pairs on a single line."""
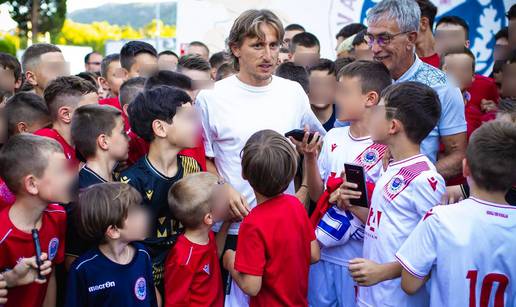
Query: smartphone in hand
{"points": [[356, 174], [299, 134]]}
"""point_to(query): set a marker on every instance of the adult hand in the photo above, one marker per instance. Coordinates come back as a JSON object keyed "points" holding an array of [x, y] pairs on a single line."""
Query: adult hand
{"points": [[238, 207], [365, 272], [308, 149], [487, 105]]}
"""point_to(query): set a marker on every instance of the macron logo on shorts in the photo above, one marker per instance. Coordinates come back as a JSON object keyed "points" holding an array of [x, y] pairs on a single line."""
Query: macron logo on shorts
{"points": [[107, 284]]}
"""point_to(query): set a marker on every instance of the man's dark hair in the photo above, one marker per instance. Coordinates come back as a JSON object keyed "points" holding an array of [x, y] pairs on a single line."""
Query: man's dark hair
{"points": [[373, 75], [33, 54], [200, 44], [296, 73], [25, 107], [106, 61], [130, 89], [131, 50], [459, 50], [193, 62], [224, 71], [511, 14], [351, 29], [269, 162], [323, 65], [294, 27], [169, 78], [428, 10], [159, 103], [507, 106], [218, 59], [359, 38], [415, 105], [341, 63], [60, 91], [490, 156], [87, 57], [305, 39], [10, 62], [89, 77], [168, 52], [455, 20], [88, 123], [503, 33]]}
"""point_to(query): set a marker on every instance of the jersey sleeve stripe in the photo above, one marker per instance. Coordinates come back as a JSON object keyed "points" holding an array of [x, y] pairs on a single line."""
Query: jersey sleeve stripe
{"points": [[408, 268], [87, 260], [6, 235]]}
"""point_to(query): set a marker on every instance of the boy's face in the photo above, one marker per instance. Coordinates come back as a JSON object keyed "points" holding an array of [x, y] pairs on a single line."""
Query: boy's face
{"points": [[350, 99], [136, 226], [54, 186], [287, 38], [8, 82], [51, 65], [509, 81], [167, 62], [144, 65], [219, 203], [118, 141], [305, 56], [448, 36], [200, 80], [184, 129], [115, 77], [460, 67], [381, 126], [362, 52], [322, 89]]}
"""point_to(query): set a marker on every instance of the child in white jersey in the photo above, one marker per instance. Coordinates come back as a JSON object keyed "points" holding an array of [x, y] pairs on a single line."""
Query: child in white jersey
{"points": [[339, 232], [407, 189], [468, 248]]}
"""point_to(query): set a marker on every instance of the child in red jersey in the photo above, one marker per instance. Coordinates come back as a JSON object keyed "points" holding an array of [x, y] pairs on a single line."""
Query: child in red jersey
{"points": [[276, 243], [192, 269], [35, 169]]}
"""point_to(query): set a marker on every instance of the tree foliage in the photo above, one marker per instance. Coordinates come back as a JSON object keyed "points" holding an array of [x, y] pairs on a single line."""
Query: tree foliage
{"points": [[51, 14]]}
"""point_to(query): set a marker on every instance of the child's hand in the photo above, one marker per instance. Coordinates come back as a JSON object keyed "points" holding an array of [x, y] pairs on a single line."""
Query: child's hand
{"points": [[365, 272], [308, 149], [3, 290], [343, 194], [453, 195], [229, 259], [26, 271]]}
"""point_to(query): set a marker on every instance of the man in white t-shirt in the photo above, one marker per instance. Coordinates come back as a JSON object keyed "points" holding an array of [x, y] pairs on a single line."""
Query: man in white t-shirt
{"points": [[250, 101], [468, 249]]}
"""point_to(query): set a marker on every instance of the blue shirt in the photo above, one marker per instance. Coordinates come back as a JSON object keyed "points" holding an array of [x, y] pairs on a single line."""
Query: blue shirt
{"points": [[95, 281], [452, 119]]}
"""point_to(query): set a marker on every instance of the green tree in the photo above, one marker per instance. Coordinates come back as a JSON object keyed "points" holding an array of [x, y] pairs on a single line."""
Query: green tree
{"points": [[44, 15]]}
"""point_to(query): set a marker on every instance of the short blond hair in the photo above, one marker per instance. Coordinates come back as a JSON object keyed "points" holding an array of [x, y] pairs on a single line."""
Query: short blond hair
{"points": [[189, 199], [248, 25]]}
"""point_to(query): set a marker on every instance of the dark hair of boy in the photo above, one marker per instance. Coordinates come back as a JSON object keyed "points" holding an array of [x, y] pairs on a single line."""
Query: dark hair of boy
{"points": [[193, 62], [131, 50], [89, 77], [373, 75], [455, 20], [169, 78], [168, 52], [415, 105], [189, 198], [104, 65], [25, 107], [459, 50], [10, 62], [218, 59], [130, 89], [158, 103], [490, 156], [428, 10], [60, 90], [341, 63], [323, 65], [503, 33], [351, 29], [103, 205], [269, 162], [296, 73], [88, 123], [34, 52], [359, 38], [508, 106], [511, 14], [294, 27], [305, 39], [200, 44], [25, 154], [224, 71]]}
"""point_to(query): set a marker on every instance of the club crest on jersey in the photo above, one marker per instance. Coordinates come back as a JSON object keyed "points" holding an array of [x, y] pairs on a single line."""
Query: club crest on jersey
{"points": [[206, 269], [396, 184], [53, 246], [370, 156], [140, 288]]}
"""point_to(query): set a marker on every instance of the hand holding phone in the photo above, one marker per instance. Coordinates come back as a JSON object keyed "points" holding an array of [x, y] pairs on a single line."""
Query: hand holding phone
{"points": [[298, 135], [356, 174]]}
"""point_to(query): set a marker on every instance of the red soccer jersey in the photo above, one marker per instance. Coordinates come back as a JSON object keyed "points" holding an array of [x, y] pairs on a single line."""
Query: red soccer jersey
{"points": [[7, 198], [192, 274], [433, 60], [137, 147], [274, 242], [114, 102], [68, 149], [15, 244], [198, 153]]}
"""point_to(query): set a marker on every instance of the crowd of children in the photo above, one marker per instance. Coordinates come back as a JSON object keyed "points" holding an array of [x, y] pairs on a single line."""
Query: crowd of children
{"points": [[143, 182]]}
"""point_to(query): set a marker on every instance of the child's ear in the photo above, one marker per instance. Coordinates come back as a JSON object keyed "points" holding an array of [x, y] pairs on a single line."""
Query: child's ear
{"points": [[466, 172], [395, 126], [30, 184], [113, 233], [159, 129], [102, 142], [103, 83], [30, 77], [372, 99], [22, 127], [64, 114], [208, 219]]}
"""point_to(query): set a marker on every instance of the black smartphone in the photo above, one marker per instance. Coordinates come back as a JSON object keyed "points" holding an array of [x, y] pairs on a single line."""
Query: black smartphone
{"points": [[356, 174], [37, 246], [298, 134]]}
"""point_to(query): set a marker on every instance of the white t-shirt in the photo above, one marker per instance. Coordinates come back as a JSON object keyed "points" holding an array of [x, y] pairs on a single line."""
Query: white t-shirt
{"points": [[233, 111], [402, 196], [341, 233], [470, 250]]}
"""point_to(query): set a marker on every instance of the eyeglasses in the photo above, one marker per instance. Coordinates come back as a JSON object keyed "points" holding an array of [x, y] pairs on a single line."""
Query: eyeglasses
{"points": [[383, 39], [94, 63]]}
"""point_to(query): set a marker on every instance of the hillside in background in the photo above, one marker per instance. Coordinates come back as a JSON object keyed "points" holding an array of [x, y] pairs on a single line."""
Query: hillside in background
{"points": [[136, 15]]}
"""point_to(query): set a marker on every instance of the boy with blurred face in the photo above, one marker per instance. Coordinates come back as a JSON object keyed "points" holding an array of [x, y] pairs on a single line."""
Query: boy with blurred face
{"points": [[10, 74], [42, 63], [323, 86], [451, 32], [112, 74], [291, 31], [167, 60], [198, 48], [139, 59], [305, 49]]}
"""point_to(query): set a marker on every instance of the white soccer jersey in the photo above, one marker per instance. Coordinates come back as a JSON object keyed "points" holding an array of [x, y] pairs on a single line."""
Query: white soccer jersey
{"points": [[338, 226], [402, 196], [470, 250]]}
